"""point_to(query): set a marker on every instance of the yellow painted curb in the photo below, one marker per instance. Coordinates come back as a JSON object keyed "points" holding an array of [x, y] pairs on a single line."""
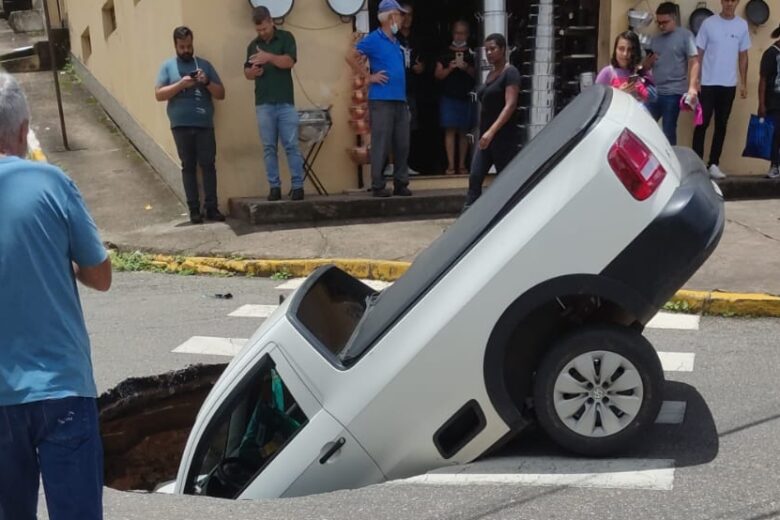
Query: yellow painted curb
{"points": [[38, 155], [728, 303], [700, 302], [360, 268]]}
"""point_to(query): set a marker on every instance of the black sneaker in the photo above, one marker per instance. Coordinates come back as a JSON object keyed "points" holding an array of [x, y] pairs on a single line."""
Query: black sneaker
{"points": [[402, 191], [196, 217], [215, 215], [297, 194], [275, 194], [381, 193]]}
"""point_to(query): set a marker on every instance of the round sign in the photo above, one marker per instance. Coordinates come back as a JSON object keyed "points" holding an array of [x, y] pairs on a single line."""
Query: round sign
{"points": [[278, 8], [346, 7]]}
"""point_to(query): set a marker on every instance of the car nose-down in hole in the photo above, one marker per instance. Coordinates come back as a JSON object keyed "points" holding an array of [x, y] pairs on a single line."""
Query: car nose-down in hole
{"points": [[530, 307]]}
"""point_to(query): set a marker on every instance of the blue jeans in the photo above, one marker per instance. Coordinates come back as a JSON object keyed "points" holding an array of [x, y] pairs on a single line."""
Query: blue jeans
{"points": [[58, 440], [667, 107], [279, 122]]}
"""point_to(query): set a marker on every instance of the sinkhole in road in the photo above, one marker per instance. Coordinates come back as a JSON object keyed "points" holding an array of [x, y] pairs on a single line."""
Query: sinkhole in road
{"points": [[145, 422]]}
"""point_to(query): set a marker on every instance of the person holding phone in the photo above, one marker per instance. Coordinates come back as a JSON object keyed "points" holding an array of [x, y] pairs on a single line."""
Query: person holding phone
{"points": [[270, 58], [673, 58], [625, 72], [456, 72], [189, 84]]}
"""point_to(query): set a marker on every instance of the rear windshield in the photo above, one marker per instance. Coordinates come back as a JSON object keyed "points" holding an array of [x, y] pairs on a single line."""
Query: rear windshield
{"points": [[328, 308], [251, 428]]}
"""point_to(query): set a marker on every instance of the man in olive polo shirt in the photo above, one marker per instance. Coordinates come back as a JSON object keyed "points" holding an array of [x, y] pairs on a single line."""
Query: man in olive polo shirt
{"points": [[270, 59]]}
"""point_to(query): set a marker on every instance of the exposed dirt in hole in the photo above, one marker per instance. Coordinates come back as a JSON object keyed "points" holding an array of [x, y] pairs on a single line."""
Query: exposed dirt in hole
{"points": [[145, 422]]}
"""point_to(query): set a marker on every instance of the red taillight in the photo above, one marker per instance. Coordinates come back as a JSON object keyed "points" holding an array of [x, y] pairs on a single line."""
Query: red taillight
{"points": [[635, 165]]}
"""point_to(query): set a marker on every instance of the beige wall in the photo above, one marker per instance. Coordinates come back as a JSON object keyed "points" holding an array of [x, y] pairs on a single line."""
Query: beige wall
{"points": [[731, 160], [126, 63]]}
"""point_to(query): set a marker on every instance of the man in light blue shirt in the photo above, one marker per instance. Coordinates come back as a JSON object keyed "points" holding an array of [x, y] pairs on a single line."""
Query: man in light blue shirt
{"points": [[189, 83], [48, 411]]}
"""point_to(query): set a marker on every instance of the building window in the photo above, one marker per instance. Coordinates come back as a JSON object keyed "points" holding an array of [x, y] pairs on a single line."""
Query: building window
{"points": [[86, 45], [109, 18]]}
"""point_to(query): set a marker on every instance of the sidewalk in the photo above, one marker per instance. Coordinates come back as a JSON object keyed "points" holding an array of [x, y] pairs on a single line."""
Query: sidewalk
{"points": [[134, 209]]}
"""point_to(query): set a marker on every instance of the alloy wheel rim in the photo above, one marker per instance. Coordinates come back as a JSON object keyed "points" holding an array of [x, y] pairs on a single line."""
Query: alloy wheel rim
{"points": [[598, 393]]}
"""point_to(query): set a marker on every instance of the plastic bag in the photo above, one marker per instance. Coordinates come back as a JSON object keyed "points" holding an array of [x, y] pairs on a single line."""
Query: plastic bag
{"points": [[761, 133]]}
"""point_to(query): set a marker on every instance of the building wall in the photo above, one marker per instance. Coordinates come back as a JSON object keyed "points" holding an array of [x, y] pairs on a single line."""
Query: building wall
{"points": [[731, 161], [126, 63]]}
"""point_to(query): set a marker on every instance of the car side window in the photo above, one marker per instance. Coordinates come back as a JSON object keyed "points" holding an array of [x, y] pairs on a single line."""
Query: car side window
{"points": [[252, 426]]}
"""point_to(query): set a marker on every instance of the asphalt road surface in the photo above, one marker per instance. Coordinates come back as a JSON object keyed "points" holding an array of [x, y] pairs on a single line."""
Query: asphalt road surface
{"points": [[714, 452]]}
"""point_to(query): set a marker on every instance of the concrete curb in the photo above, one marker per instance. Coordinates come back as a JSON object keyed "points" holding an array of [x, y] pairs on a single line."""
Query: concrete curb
{"points": [[705, 302]]}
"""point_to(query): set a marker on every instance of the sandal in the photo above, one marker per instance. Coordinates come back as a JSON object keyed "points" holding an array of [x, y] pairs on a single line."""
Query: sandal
{"points": [[450, 171]]}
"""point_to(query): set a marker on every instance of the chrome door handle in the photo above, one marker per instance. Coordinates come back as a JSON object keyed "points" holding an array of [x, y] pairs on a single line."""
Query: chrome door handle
{"points": [[333, 450]]}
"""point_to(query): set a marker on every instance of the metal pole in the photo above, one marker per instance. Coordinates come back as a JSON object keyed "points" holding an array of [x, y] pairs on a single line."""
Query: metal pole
{"points": [[54, 71]]}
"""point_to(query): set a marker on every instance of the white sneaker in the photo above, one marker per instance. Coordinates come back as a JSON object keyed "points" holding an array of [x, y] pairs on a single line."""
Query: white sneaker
{"points": [[715, 172], [412, 171], [388, 170], [773, 173]]}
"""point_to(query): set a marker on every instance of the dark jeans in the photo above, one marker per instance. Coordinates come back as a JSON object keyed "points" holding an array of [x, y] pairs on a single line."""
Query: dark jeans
{"points": [[667, 107], [389, 132], [58, 440], [197, 146], [499, 153], [717, 100]]}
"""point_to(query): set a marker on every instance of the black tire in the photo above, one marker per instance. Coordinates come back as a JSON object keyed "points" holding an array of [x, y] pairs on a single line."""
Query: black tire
{"points": [[623, 341]]}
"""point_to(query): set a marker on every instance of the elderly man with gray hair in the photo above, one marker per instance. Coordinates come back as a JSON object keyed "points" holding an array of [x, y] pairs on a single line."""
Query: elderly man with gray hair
{"points": [[48, 410], [387, 104]]}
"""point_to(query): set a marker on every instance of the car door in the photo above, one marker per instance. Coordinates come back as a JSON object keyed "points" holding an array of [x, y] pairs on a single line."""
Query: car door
{"points": [[322, 456]]}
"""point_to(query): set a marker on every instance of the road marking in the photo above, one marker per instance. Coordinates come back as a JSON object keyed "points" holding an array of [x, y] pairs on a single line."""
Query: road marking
{"points": [[672, 412], [293, 283], [652, 474], [254, 311], [211, 346], [676, 361], [669, 320]]}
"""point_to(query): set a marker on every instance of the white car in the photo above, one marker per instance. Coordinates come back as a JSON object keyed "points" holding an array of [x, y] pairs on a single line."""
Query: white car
{"points": [[530, 307]]}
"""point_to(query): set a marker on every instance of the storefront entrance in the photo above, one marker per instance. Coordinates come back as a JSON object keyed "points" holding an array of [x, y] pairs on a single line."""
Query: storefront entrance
{"points": [[575, 48]]}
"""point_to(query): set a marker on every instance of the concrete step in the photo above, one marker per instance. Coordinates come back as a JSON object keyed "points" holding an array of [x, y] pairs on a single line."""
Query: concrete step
{"points": [[424, 203], [353, 206], [749, 187]]}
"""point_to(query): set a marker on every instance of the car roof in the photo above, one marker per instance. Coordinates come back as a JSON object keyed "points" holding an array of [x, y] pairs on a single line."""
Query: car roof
{"points": [[525, 171]]}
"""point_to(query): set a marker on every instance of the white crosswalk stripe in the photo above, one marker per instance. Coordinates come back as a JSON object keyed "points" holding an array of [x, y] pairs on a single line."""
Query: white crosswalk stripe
{"points": [[653, 474], [253, 311], [673, 321], [294, 283], [677, 361], [211, 346], [672, 412]]}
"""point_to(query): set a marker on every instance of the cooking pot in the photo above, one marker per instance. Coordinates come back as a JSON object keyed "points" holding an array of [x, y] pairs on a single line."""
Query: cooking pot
{"points": [[698, 16], [757, 12]]}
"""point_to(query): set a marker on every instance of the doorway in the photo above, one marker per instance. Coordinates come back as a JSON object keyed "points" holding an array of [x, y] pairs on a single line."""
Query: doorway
{"points": [[576, 29]]}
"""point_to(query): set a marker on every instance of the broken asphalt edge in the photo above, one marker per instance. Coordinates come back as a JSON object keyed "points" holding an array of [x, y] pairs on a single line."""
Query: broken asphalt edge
{"points": [[715, 302]]}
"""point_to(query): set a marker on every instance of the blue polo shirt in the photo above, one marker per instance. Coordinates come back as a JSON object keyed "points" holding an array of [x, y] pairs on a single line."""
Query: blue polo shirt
{"points": [[44, 225], [385, 54], [192, 106]]}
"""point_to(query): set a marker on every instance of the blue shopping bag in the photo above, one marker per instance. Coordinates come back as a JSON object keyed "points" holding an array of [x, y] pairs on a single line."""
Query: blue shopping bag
{"points": [[761, 134]]}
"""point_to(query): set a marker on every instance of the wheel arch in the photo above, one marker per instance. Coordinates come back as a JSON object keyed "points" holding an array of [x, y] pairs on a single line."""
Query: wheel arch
{"points": [[535, 319]]}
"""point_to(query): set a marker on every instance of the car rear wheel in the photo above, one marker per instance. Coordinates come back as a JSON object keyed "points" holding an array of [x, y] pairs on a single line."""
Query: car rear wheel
{"points": [[597, 388]]}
